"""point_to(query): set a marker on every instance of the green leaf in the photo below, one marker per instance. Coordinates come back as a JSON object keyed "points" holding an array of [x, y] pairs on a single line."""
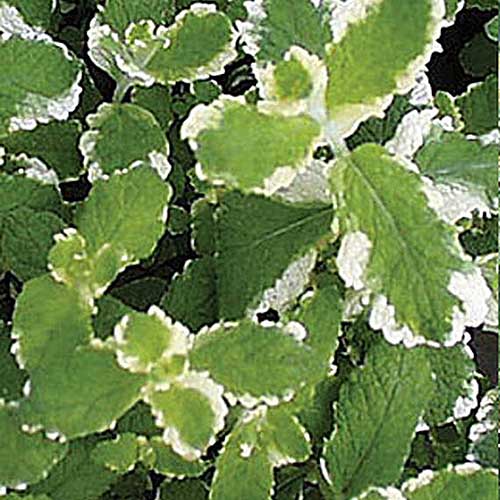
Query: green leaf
{"points": [[158, 101], [201, 43], [24, 457], [453, 158], [459, 483], [376, 417], [126, 212], [36, 13], [192, 411], [286, 23], [272, 233], [118, 455], [492, 29], [192, 296], [479, 106], [77, 476], [50, 92], [216, 133], [253, 361], [120, 13], [134, 47], [188, 489], [121, 135], [88, 391], [29, 219], [453, 370], [170, 463], [145, 340], [372, 60], [55, 144], [479, 56], [262, 439], [226, 285], [484, 433], [382, 199]]}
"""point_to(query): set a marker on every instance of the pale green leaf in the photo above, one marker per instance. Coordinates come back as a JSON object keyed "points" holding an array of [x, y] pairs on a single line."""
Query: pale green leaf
{"points": [[14, 496], [170, 463], [29, 219], [243, 147], [55, 144], [24, 457], [88, 391], [251, 360], [479, 106], [192, 411], [293, 81], [120, 135], [145, 340], [456, 484], [120, 222], [118, 455], [372, 60], [376, 416], [412, 256], [454, 159], [39, 83], [290, 22]]}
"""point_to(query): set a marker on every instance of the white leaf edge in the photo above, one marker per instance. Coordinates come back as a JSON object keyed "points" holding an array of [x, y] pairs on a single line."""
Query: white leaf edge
{"points": [[287, 288], [36, 109], [178, 342], [426, 477]]}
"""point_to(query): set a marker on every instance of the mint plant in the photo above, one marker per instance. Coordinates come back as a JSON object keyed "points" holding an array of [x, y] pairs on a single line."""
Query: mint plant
{"points": [[246, 251]]}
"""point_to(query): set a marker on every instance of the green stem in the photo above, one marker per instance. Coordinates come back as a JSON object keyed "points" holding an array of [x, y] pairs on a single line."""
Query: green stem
{"points": [[121, 90]]}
